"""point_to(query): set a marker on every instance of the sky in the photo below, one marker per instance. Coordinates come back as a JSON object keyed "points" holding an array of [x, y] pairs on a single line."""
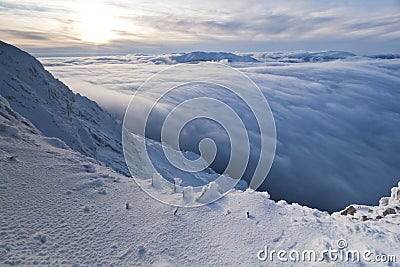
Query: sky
{"points": [[74, 27]]}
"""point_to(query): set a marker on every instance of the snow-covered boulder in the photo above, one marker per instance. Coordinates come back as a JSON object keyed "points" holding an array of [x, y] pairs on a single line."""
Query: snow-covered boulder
{"points": [[56, 111], [388, 208]]}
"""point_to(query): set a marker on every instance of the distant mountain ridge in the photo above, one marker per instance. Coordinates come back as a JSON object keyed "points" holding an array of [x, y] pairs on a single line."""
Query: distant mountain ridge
{"points": [[201, 56], [302, 56], [211, 56]]}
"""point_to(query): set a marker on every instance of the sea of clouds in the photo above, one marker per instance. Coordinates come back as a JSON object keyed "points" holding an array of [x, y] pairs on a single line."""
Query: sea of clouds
{"points": [[337, 118]]}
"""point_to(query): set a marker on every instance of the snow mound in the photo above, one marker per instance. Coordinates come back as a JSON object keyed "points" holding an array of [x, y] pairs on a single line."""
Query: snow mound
{"points": [[211, 56], [56, 111]]}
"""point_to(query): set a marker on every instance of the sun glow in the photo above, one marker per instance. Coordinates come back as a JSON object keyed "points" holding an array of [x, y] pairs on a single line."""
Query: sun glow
{"points": [[96, 23]]}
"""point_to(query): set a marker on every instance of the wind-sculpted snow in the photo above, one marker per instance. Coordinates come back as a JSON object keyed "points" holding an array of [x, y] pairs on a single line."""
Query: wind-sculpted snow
{"points": [[56, 111], [337, 121]]}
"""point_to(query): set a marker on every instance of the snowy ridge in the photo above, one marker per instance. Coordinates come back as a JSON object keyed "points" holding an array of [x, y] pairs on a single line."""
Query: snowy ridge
{"points": [[56, 111]]}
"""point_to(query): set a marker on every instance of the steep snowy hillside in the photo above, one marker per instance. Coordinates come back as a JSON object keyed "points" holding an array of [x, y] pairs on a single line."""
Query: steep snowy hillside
{"points": [[59, 207], [56, 111]]}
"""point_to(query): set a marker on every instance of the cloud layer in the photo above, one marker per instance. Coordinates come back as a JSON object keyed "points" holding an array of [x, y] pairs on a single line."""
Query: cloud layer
{"points": [[337, 122]]}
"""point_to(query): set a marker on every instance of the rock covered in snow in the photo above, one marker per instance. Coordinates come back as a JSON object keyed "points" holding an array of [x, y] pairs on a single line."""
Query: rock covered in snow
{"points": [[389, 207]]}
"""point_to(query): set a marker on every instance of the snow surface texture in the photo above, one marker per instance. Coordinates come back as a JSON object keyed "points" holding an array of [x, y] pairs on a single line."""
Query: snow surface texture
{"points": [[337, 116], [59, 207]]}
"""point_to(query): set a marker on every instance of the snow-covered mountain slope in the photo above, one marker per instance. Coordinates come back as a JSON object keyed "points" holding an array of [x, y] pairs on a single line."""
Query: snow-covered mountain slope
{"points": [[59, 207], [56, 111]]}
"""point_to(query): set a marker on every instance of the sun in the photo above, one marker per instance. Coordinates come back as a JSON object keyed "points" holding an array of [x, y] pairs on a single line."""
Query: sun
{"points": [[96, 24]]}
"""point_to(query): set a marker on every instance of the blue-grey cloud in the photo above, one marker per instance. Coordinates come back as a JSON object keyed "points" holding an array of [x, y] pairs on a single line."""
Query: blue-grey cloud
{"points": [[31, 35]]}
